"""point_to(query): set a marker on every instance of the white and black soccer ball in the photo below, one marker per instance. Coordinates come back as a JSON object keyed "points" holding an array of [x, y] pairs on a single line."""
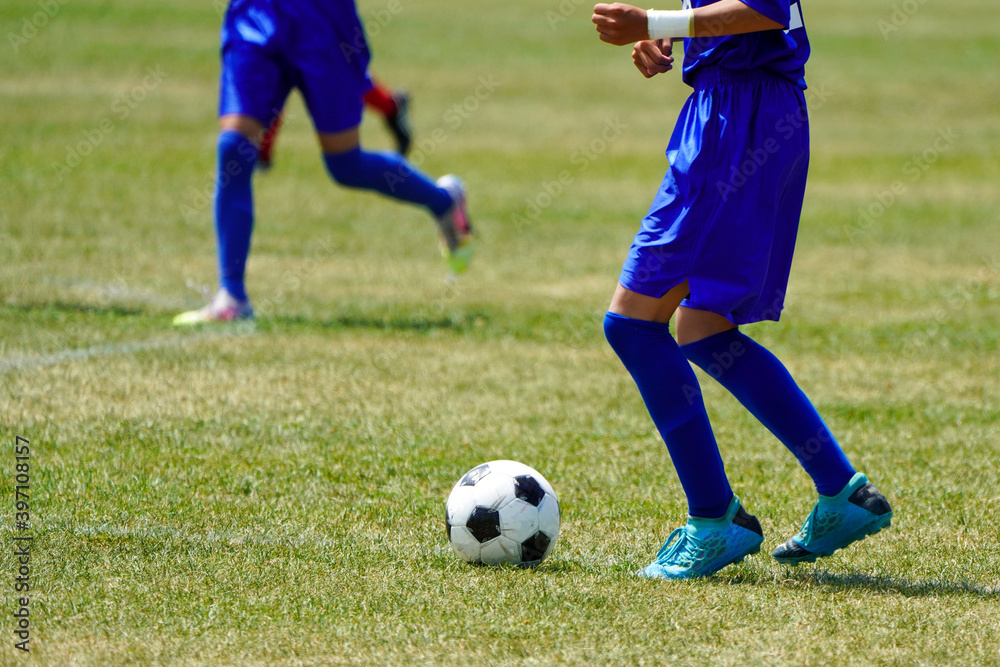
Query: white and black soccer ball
{"points": [[503, 512]]}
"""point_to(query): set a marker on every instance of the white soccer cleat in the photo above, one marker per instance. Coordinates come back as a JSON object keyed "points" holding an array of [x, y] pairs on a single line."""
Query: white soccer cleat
{"points": [[223, 308]]}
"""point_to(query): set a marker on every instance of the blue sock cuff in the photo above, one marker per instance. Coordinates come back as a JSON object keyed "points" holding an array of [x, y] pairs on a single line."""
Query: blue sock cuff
{"points": [[700, 352], [345, 167], [235, 146], [627, 335], [611, 318]]}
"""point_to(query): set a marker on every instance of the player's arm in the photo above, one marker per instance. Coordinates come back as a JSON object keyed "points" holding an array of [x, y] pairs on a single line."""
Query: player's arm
{"points": [[622, 24]]}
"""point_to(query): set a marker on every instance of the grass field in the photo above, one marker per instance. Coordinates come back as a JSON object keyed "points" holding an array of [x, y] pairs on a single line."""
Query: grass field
{"points": [[275, 494]]}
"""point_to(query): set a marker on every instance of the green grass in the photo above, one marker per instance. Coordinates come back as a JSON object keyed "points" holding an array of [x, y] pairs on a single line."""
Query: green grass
{"points": [[275, 495]]}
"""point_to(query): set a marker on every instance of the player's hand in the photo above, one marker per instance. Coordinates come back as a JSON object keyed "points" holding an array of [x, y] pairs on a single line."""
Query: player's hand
{"points": [[620, 24], [652, 57]]}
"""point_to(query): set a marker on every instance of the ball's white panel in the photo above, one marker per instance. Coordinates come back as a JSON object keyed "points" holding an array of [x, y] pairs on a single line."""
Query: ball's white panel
{"points": [[515, 468], [518, 520], [461, 502], [493, 491], [548, 516], [473, 476], [500, 550], [464, 544]]}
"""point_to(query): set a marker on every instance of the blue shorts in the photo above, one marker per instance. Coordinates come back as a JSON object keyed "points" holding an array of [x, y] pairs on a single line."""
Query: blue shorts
{"points": [[270, 47], [727, 213]]}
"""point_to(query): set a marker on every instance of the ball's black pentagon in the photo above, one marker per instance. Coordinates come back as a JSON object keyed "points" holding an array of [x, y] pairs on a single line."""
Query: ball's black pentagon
{"points": [[534, 547], [484, 523], [447, 523], [528, 489], [476, 474]]}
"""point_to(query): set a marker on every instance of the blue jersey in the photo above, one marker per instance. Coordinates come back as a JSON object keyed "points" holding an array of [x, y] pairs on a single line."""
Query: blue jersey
{"points": [[783, 52], [297, 24]]}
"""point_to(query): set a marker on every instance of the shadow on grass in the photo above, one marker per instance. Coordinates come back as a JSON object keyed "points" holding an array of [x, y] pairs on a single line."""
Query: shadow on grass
{"points": [[55, 307], [414, 322], [407, 322], [886, 584], [868, 582]]}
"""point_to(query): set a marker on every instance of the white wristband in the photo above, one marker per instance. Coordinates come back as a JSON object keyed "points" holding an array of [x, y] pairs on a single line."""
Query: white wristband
{"points": [[663, 24]]}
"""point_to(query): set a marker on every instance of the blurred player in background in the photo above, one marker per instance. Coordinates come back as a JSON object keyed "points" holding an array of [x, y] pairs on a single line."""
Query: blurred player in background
{"points": [[393, 106], [319, 47], [716, 249]]}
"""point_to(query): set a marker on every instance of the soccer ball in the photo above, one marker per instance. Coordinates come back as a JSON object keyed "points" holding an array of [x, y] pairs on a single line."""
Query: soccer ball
{"points": [[502, 512]]}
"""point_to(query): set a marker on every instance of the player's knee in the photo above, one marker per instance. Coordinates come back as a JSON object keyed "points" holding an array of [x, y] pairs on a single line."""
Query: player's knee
{"points": [[632, 339], [345, 168], [236, 154], [622, 334], [615, 332]]}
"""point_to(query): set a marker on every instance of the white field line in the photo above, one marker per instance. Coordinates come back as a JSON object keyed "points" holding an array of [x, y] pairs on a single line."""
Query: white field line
{"points": [[121, 292], [111, 349]]}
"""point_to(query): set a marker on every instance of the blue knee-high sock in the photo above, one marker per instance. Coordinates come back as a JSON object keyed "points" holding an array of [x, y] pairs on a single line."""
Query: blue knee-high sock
{"points": [[234, 209], [764, 386], [390, 174], [673, 397]]}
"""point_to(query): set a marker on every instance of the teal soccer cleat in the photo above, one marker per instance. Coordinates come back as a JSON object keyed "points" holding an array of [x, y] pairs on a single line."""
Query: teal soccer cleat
{"points": [[858, 511], [705, 546]]}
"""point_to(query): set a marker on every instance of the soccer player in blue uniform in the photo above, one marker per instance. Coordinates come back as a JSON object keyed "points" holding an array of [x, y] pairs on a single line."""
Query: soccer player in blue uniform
{"points": [[319, 47], [715, 249]]}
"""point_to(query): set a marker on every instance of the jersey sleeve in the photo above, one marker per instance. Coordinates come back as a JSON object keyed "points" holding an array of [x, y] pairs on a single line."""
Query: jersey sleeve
{"points": [[776, 10]]}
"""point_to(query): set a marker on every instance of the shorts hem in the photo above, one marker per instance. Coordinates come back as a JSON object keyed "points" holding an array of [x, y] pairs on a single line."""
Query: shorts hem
{"points": [[639, 288]]}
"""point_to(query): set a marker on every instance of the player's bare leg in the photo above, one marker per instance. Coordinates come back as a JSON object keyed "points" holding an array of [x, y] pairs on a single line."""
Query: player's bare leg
{"points": [[248, 126], [694, 325], [637, 306]]}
